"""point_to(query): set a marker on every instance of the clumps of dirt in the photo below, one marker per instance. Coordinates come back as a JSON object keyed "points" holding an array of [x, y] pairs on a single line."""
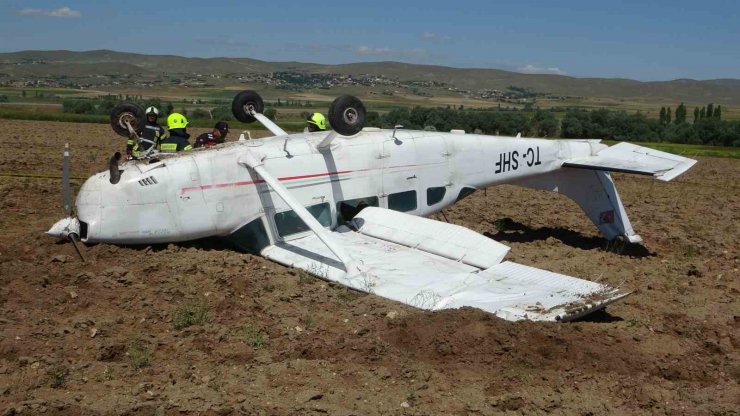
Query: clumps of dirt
{"points": [[198, 328]]}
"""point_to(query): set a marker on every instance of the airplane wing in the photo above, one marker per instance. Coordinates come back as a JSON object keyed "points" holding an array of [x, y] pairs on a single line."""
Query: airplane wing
{"points": [[630, 158], [433, 265]]}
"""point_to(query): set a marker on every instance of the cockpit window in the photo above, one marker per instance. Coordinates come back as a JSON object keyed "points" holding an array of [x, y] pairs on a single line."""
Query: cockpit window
{"points": [[289, 223], [251, 238]]}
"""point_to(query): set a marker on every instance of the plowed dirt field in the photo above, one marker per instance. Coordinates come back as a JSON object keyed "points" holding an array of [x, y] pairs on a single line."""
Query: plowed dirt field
{"points": [[111, 336]]}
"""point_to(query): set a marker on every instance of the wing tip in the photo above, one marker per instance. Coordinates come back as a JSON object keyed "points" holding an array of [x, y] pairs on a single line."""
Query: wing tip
{"points": [[677, 170]]}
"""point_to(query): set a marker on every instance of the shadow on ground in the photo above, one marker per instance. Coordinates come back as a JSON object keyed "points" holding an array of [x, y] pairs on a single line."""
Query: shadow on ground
{"points": [[516, 232], [600, 316]]}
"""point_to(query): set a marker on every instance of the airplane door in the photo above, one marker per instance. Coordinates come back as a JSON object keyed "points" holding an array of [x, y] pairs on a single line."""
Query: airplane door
{"points": [[399, 174], [433, 171], [194, 217]]}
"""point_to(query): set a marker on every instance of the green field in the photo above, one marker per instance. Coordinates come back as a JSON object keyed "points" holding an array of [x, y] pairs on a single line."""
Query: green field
{"points": [[45, 104], [375, 99], [689, 150], [290, 126]]}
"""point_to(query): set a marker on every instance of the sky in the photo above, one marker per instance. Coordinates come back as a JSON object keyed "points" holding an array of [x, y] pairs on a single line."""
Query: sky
{"points": [[648, 40]]}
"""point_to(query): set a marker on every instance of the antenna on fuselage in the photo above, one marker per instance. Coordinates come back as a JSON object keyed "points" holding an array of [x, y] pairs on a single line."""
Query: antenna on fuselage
{"points": [[285, 148], [396, 127]]}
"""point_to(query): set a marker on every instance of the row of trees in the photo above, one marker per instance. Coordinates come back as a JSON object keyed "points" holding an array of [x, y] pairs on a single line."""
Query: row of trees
{"points": [[577, 124], [707, 128], [292, 103], [709, 111], [540, 123], [618, 125], [103, 106]]}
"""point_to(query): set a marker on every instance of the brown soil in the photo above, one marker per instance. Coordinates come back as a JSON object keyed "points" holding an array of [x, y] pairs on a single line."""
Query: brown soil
{"points": [[101, 337]]}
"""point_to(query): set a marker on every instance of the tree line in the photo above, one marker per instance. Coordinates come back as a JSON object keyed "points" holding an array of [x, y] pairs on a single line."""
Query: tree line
{"points": [[671, 126], [575, 124], [103, 106], [709, 111]]}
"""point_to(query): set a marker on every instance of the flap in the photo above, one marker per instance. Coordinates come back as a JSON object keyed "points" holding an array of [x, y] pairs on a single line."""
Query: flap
{"points": [[447, 240]]}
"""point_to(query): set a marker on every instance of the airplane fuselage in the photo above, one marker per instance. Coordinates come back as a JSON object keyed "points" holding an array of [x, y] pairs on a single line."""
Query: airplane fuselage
{"points": [[207, 192]]}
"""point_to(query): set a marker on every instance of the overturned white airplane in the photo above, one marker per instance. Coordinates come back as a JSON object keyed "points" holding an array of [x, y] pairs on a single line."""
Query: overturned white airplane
{"points": [[348, 206]]}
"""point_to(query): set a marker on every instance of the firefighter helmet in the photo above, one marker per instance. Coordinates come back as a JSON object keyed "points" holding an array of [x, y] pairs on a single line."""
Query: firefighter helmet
{"points": [[177, 121], [318, 120]]}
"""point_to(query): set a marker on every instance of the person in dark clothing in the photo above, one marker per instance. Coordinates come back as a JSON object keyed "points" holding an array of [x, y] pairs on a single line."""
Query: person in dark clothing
{"points": [[217, 136], [151, 131], [178, 139]]}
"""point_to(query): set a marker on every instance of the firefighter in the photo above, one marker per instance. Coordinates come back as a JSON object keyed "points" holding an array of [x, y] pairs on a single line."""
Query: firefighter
{"points": [[178, 139], [151, 131], [217, 136], [316, 122]]}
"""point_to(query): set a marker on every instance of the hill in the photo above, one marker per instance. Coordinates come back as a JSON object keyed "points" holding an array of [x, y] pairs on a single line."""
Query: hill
{"points": [[224, 71]]}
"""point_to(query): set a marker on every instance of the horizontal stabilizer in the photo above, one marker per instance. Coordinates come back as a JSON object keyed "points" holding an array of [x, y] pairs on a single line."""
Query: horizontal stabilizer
{"points": [[630, 158]]}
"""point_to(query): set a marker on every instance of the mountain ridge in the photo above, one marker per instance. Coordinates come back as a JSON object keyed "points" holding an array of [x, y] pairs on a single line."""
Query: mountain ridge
{"points": [[31, 63]]}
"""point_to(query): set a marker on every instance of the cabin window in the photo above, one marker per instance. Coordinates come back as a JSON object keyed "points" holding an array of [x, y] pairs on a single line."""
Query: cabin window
{"points": [[289, 223], [464, 193], [402, 201], [251, 238], [435, 194], [346, 210]]}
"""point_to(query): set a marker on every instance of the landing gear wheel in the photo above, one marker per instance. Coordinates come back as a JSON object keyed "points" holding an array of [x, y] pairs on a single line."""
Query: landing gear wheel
{"points": [[347, 115], [245, 103], [127, 112]]}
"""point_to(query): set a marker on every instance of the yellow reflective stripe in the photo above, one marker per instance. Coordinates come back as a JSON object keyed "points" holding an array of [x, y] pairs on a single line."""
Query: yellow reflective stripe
{"points": [[168, 147], [131, 142], [188, 147]]}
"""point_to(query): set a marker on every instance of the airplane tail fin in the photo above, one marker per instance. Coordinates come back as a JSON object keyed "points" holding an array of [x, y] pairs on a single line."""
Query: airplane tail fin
{"points": [[630, 158], [594, 191], [589, 184]]}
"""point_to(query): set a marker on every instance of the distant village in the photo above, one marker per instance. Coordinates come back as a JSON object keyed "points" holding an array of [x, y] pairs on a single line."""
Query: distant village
{"points": [[287, 80]]}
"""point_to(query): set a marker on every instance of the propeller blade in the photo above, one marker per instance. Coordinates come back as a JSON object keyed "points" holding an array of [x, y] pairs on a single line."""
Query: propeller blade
{"points": [[66, 191], [73, 238]]}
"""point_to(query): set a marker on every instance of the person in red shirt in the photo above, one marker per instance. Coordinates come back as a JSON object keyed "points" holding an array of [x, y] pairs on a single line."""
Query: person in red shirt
{"points": [[217, 136]]}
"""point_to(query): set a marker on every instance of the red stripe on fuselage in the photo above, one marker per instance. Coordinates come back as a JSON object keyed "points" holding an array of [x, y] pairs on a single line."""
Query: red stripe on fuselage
{"points": [[243, 183], [285, 178]]}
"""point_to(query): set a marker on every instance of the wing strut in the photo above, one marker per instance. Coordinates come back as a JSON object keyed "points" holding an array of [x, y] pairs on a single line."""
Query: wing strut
{"points": [[252, 161], [269, 124]]}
